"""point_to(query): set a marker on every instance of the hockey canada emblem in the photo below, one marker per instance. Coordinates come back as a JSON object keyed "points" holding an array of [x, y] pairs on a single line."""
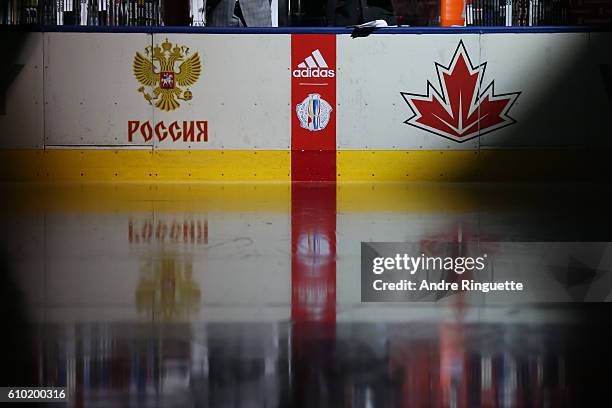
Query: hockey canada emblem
{"points": [[156, 72], [457, 110]]}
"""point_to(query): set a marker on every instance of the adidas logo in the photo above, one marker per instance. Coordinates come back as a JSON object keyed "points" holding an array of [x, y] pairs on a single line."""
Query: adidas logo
{"points": [[314, 66]]}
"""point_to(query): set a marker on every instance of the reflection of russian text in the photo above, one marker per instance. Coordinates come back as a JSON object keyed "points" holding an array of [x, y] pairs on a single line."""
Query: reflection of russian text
{"points": [[163, 231]]}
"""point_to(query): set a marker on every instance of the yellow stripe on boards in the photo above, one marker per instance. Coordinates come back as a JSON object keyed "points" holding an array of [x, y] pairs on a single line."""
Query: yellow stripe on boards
{"points": [[145, 165], [472, 165], [275, 165]]}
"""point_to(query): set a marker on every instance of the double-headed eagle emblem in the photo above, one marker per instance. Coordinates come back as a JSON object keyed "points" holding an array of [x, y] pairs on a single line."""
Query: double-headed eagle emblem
{"points": [[156, 72]]}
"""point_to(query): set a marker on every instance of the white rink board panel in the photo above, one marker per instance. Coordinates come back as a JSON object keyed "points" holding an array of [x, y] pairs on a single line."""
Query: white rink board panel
{"points": [[244, 91], [79, 90], [21, 123], [243, 96], [90, 90], [372, 71], [551, 72]]}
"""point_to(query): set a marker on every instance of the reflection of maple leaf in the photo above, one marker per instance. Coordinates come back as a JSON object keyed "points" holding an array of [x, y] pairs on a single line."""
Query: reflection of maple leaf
{"points": [[456, 111]]}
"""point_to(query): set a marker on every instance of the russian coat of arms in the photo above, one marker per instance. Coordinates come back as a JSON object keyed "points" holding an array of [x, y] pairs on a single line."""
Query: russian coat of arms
{"points": [[161, 84]]}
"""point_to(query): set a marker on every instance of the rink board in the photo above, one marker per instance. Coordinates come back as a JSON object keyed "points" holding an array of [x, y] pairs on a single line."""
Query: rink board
{"points": [[401, 106]]}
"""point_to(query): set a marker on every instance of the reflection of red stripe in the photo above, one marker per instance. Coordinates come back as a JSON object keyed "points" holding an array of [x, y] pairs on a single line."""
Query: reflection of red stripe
{"points": [[313, 283], [313, 220], [313, 269]]}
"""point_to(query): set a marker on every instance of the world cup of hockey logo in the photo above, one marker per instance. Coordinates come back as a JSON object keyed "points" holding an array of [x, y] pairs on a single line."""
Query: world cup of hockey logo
{"points": [[314, 112], [162, 86], [456, 109]]}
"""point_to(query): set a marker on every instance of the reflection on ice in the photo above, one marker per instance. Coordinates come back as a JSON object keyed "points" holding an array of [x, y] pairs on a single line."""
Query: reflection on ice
{"points": [[166, 289], [384, 365], [249, 295]]}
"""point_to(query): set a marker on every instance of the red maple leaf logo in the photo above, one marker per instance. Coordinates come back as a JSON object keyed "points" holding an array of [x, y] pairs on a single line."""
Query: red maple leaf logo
{"points": [[457, 111]]}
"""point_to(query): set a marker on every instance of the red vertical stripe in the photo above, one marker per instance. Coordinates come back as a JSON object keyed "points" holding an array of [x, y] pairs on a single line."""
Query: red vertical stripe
{"points": [[313, 158], [313, 76], [313, 218]]}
